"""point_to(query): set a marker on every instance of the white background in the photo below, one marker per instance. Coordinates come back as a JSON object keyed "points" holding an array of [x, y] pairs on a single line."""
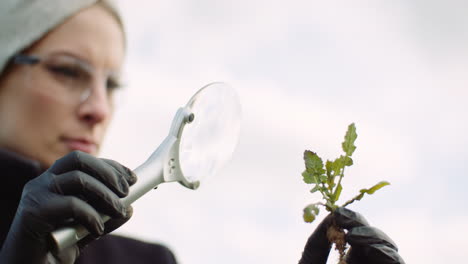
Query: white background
{"points": [[304, 70]]}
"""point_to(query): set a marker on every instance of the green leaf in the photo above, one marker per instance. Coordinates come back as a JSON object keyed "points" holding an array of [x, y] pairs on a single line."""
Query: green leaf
{"points": [[337, 165], [323, 178], [329, 167], [330, 175], [348, 161], [371, 190], [350, 137], [313, 163], [374, 188], [308, 178], [310, 213], [316, 188], [337, 193]]}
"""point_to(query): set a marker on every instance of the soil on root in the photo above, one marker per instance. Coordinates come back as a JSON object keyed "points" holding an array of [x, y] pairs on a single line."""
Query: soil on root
{"points": [[336, 235]]}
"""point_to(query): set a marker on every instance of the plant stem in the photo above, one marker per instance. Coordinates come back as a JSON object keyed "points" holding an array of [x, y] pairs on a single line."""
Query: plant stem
{"points": [[350, 201], [339, 183]]}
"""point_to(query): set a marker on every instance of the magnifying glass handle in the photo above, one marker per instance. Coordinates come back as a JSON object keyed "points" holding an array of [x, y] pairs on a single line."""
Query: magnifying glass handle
{"points": [[154, 171]]}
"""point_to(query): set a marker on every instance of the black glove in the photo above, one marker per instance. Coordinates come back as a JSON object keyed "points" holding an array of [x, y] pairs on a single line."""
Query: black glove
{"points": [[76, 187], [368, 244]]}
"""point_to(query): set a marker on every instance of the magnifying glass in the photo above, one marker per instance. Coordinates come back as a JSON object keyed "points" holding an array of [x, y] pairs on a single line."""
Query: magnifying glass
{"points": [[202, 138]]}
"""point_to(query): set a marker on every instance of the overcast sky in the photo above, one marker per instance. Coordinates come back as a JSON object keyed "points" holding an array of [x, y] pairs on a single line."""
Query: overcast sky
{"points": [[304, 71]]}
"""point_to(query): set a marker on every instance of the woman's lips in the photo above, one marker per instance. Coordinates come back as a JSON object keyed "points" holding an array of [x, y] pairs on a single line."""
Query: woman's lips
{"points": [[81, 145]]}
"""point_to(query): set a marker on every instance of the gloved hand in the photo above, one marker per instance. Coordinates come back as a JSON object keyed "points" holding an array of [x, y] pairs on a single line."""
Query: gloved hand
{"points": [[77, 187], [368, 244]]}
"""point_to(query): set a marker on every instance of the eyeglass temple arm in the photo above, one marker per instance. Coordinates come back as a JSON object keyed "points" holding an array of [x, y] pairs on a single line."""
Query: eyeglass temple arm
{"points": [[25, 59]]}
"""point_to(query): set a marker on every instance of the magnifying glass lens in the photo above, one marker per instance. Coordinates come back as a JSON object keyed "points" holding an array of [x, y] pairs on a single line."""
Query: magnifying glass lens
{"points": [[209, 141]]}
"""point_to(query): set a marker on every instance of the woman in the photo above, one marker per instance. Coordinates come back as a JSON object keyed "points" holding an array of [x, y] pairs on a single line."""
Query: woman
{"points": [[59, 70], [56, 99]]}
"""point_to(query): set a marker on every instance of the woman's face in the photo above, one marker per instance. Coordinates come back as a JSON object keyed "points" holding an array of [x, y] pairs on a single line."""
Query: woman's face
{"points": [[39, 118]]}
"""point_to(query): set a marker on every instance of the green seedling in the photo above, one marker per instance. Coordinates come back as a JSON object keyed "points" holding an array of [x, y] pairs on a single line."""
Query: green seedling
{"points": [[326, 179]]}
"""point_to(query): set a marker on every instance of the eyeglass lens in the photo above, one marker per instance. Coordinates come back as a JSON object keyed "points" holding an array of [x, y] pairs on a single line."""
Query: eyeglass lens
{"points": [[77, 76]]}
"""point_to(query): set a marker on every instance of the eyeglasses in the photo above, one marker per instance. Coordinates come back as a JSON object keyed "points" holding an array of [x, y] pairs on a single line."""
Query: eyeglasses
{"points": [[74, 76]]}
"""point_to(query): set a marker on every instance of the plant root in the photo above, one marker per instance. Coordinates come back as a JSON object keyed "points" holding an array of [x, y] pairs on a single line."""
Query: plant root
{"points": [[336, 235]]}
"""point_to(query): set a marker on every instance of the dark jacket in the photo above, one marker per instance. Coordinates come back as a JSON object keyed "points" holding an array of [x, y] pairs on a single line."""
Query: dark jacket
{"points": [[116, 249], [16, 171]]}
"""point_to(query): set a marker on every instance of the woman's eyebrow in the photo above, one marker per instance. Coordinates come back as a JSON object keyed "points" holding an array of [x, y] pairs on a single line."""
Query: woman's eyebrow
{"points": [[71, 54], [110, 71]]}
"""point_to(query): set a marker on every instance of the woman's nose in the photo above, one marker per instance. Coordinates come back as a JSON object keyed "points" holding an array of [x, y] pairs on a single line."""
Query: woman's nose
{"points": [[97, 107]]}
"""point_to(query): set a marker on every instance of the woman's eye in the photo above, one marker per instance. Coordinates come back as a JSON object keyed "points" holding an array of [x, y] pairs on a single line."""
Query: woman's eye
{"points": [[112, 84], [67, 71]]}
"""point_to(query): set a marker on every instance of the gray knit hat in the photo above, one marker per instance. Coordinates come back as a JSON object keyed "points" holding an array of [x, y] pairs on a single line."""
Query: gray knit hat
{"points": [[22, 22]]}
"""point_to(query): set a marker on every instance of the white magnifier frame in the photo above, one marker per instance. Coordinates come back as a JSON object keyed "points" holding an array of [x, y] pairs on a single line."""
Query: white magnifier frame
{"points": [[211, 121]]}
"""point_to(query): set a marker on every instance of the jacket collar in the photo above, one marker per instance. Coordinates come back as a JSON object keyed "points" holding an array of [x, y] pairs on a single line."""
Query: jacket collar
{"points": [[15, 172]]}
